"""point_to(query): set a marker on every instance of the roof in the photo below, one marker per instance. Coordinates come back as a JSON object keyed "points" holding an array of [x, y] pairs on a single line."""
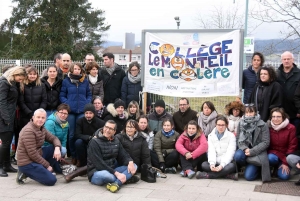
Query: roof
{"points": [[120, 50]]}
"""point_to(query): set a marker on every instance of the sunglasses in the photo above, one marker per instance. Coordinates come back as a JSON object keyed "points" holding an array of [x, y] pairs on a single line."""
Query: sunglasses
{"points": [[249, 105]]}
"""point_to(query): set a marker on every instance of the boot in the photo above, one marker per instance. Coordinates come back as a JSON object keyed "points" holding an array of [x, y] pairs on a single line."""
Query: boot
{"points": [[2, 172], [6, 163], [78, 172]]}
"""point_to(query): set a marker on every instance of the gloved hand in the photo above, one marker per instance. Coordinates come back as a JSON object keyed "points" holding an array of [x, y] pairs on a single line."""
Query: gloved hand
{"points": [[162, 166]]}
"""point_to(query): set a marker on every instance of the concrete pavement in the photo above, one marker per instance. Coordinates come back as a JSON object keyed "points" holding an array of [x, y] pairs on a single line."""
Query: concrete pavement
{"points": [[170, 189]]}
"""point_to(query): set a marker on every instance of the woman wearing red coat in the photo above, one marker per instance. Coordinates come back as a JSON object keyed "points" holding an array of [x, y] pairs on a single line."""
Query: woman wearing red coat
{"points": [[283, 142], [192, 146]]}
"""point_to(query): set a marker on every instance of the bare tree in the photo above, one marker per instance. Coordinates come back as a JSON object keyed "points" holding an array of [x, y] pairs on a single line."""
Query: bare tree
{"points": [[281, 11]]}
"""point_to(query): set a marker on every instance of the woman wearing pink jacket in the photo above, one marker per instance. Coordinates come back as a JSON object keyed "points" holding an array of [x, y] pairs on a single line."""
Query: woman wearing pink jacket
{"points": [[192, 146]]}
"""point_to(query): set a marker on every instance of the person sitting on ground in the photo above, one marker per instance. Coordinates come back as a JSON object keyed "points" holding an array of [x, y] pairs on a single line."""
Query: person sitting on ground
{"points": [[184, 115], [207, 117], [135, 143], [35, 161], [165, 156], [101, 111], [117, 114], [108, 163], [234, 111], [145, 130], [86, 126], [58, 125], [156, 117], [134, 111], [221, 148], [253, 139], [192, 146], [283, 142]]}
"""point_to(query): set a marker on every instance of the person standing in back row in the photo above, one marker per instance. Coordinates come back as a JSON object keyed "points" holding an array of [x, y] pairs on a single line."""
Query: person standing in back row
{"points": [[112, 75]]}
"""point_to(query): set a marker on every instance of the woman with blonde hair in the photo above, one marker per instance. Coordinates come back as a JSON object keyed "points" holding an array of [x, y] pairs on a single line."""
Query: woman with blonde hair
{"points": [[33, 95], [8, 105], [134, 111]]}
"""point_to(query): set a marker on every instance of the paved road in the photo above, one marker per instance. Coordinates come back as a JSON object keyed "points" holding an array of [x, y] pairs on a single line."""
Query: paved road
{"points": [[170, 189]]}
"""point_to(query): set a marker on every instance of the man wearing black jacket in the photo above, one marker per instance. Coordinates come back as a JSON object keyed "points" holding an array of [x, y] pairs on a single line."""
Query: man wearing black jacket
{"points": [[112, 75], [85, 128], [108, 162]]}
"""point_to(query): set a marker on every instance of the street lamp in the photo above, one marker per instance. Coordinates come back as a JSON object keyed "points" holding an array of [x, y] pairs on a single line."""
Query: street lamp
{"points": [[177, 19]]}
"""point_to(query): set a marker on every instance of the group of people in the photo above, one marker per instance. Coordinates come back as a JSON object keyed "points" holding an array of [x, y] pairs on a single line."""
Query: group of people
{"points": [[94, 115]]}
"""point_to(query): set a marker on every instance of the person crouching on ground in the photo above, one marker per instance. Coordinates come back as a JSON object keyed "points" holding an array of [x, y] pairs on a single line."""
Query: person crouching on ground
{"points": [[108, 163], [35, 161]]}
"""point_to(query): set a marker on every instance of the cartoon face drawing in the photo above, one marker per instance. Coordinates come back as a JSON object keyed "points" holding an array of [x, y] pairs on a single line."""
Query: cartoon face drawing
{"points": [[166, 50], [177, 63], [188, 74]]}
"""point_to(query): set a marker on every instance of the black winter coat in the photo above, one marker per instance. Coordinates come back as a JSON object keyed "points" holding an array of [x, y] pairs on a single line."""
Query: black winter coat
{"points": [[249, 81], [103, 153], [112, 84], [85, 130], [33, 98], [8, 104], [289, 85], [52, 93], [131, 91], [182, 119], [137, 148], [266, 97]]}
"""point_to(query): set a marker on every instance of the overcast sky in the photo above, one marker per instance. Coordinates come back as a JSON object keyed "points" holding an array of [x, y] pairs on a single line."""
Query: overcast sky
{"points": [[136, 15]]}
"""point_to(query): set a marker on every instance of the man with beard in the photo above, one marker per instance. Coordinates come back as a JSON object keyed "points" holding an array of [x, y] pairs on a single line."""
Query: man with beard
{"points": [[85, 128], [156, 117]]}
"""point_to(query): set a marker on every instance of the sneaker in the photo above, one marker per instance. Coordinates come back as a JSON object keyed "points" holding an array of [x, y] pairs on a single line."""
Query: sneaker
{"points": [[133, 179], [233, 176], [21, 177], [202, 175], [112, 187], [190, 173], [182, 173], [170, 170]]}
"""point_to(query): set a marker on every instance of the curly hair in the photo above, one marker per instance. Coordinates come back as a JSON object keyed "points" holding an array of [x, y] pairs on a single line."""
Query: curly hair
{"points": [[234, 105], [271, 72]]}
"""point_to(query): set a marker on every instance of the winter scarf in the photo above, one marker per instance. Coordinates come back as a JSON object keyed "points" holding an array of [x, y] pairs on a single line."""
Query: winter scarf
{"points": [[168, 134], [134, 79], [247, 126], [280, 126], [233, 123], [132, 137], [76, 78], [93, 79], [100, 112], [62, 123], [207, 122], [110, 70]]}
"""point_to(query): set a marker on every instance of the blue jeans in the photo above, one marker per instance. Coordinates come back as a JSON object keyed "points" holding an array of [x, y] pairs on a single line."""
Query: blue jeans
{"points": [[103, 177], [275, 162], [72, 119], [251, 171], [38, 172]]}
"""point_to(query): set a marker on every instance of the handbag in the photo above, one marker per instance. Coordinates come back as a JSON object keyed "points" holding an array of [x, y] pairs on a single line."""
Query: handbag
{"points": [[148, 174], [254, 160]]}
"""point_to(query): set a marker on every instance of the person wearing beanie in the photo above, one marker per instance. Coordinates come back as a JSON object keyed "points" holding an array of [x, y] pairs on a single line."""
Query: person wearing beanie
{"points": [[118, 114], [86, 126], [156, 117]]}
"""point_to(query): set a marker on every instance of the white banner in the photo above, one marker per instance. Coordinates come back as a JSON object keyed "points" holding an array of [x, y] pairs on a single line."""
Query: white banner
{"points": [[202, 70]]}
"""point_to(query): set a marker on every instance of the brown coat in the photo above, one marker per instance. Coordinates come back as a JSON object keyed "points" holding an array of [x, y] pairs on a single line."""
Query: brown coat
{"points": [[30, 144]]}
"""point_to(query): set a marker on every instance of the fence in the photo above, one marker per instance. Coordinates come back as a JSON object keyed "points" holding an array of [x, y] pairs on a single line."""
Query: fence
{"points": [[171, 102]]}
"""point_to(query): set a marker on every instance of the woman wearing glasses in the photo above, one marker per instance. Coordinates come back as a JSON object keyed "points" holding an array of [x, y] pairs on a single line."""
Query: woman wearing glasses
{"points": [[131, 85], [58, 125], [135, 143], [283, 142], [267, 93], [253, 139]]}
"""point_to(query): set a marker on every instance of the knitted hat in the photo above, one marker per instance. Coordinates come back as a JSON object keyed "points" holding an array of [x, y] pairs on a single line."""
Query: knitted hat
{"points": [[160, 103], [90, 107], [119, 103]]}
